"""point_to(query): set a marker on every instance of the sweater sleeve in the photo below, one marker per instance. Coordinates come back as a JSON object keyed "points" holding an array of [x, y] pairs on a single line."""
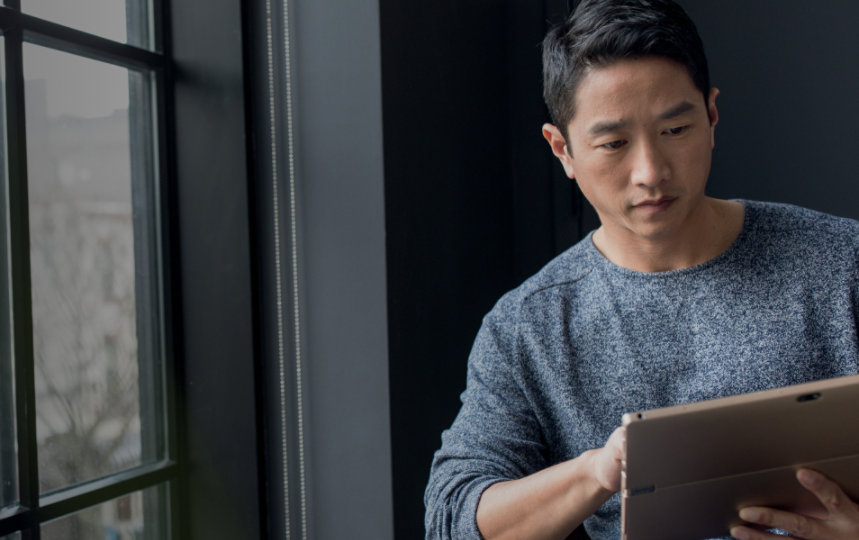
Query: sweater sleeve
{"points": [[855, 290], [495, 436]]}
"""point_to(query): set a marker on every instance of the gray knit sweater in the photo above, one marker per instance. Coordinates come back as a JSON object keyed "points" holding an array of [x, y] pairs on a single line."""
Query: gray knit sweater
{"points": [[559, 359]]}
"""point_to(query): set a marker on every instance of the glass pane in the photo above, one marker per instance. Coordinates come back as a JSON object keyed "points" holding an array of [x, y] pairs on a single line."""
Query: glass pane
{"points": [[136, 516], [15, 536], [8, 458], [126, 21], [93, 267]]}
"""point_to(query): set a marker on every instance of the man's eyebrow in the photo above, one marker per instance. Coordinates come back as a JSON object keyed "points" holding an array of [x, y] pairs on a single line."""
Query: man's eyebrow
{"points": [[606, 127], [677, 110], [609, 126]]}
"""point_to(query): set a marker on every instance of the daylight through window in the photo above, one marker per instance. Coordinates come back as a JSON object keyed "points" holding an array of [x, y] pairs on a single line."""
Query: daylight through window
{"points": [[85, 445]]}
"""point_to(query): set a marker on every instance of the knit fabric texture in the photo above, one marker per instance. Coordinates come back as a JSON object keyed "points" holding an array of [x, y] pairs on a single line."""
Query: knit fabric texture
{"points": [[561, 358]]}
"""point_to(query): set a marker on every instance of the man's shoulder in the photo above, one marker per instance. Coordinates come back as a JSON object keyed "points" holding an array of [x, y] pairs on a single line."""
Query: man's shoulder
{"points": [[788, 218], [803, 231], [566, 270]]}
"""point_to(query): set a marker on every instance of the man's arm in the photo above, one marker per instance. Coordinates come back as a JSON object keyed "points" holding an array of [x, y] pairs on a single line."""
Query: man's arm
{"points": [[839, 520], [551, 503]]}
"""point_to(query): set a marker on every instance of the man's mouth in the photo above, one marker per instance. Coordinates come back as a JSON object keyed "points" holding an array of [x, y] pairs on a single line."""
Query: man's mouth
{"points": [[655, 205]]}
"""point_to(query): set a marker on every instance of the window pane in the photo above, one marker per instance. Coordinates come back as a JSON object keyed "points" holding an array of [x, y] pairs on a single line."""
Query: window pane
{"points": [[135, 516], [93, 267], [126, 21], [8, 459]]}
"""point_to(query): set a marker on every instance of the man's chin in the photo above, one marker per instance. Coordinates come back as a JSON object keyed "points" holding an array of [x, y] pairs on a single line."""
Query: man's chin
{"points": [[655, 232]]}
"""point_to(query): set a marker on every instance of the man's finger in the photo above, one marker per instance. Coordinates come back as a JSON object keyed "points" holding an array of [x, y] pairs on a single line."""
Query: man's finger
{"points": [[796, 524], [827, 491]]}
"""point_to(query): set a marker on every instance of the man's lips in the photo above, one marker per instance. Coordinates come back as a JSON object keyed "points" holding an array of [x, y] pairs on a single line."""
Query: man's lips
{"points": [[655, 204]]}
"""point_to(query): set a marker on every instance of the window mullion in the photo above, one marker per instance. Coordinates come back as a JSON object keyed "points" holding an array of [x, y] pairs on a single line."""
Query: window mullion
{"points": [[8, 462], [51, 34], [19, 239]]}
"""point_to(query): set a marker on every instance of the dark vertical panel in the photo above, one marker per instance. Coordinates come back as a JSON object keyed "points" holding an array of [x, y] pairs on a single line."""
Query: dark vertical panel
{"points": [[531, 164], [788, 75], [472, 207], [449, 215], [211, 190]]}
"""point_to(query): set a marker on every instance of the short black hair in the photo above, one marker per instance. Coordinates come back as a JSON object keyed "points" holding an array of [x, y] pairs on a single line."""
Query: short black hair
{"points": [[601, 32]]}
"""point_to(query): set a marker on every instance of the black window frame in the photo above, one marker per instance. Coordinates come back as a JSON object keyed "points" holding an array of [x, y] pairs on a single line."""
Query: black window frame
{"points": [[33, 508]]}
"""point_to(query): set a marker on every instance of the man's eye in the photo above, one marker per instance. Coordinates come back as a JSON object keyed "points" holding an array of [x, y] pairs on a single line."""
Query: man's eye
{"points": [[676, 130], [613, 145]]}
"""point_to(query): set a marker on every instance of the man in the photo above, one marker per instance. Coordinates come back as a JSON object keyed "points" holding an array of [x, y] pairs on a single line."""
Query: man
{"points": [[677, 297]]}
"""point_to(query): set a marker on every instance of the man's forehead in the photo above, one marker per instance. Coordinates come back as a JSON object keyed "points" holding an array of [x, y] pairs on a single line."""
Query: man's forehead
{"points": [[657, 87]]}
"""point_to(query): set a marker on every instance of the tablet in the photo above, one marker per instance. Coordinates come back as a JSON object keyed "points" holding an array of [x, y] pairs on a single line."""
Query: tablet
{"points": [[690, 468]]}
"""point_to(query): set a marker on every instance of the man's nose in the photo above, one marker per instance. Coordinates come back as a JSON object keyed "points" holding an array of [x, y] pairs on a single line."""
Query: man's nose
{"points": [[649, 167]]}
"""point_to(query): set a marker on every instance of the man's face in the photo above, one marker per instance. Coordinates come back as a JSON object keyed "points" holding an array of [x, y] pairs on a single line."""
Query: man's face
{"points": [[640, 147]]}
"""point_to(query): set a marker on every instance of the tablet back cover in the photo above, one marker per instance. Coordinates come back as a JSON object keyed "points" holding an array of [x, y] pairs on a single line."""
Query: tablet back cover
{"points": [[690, 468]]}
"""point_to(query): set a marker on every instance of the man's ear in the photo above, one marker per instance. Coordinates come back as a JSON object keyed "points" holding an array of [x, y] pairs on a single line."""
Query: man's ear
{"points": [[713, 113], [559, 147]]}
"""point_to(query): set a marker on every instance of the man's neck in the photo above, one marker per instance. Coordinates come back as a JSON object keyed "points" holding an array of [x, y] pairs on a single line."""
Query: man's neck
{"points": [[710, 231]]}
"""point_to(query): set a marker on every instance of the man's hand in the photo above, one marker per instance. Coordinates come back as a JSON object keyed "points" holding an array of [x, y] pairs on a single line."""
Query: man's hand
{"points": [[839, 520], [550, 503], [608, 460]]}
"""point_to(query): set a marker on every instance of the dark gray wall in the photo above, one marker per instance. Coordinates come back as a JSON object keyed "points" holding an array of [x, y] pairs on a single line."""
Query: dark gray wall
{"points": [[788, 72], [474, 202]]}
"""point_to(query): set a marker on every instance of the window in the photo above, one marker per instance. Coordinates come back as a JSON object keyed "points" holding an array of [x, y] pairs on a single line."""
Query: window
{"points": [[86, 448]]}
